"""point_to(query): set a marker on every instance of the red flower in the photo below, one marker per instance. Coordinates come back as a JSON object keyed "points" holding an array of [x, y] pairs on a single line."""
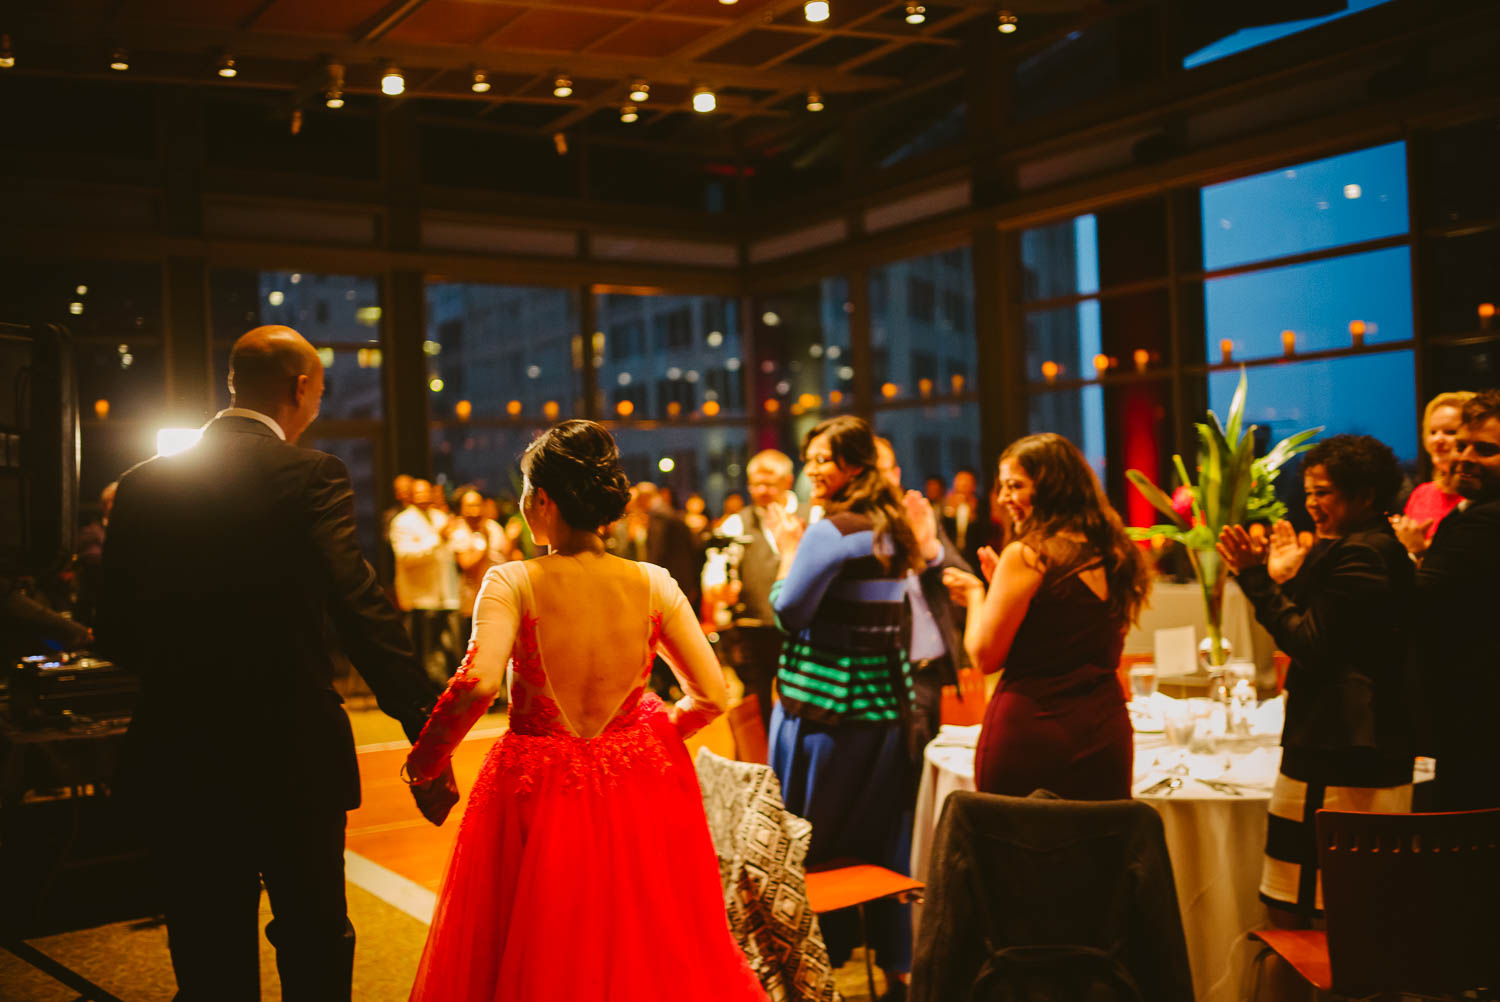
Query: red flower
{"points": [[1182, 503]]}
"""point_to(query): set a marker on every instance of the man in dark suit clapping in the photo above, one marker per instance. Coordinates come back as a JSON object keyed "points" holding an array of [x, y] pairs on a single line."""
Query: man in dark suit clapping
{"points": [[1458, 594], [221, 566]]}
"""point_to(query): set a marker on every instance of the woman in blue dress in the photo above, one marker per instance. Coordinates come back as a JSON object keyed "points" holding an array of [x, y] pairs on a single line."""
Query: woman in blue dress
{"points": [[836, 738]]}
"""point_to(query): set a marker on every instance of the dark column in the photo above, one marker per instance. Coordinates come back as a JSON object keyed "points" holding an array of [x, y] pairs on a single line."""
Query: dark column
{"points": [[404, 292], [998, 326], [190, 375], [588, 346], [859, 343]]}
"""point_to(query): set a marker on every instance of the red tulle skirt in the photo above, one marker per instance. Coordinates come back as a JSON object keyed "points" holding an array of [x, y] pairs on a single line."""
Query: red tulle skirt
{"points": [[583, 870]]}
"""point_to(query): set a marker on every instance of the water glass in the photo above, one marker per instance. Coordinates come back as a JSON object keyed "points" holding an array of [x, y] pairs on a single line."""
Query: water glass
{"points": [[1142, 681]]}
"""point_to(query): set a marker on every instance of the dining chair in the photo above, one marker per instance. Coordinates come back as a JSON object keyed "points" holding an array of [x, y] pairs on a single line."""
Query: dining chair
{"points": [[964, 704], [1409, 905], [850, 884]]}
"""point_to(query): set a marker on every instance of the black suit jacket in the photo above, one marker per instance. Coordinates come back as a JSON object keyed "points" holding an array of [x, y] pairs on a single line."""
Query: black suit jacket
{"points": [[950, 619], [1456, 643], [223, 565], [1343, 621]]}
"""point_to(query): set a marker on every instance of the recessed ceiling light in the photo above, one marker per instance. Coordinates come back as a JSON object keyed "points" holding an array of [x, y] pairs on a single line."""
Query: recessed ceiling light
{"points": [[704, 100], [392, 82], [629, 113], [640, 92], [815, 10], [119, 62], [814, 101], [227, 68], [915, 13], [481, 82], [562, 86]]}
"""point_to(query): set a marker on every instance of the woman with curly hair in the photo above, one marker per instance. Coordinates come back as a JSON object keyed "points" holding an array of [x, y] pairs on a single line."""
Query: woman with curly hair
{"points": [[1063, 590], [1339, 608], [837, 735]]}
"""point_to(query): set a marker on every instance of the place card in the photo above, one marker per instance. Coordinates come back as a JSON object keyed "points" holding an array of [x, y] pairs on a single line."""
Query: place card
{"points": [[1176, 651]]}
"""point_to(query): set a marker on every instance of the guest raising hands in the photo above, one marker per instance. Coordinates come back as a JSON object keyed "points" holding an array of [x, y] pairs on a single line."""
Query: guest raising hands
{"points": [[1062, 593], [1431, 502], [1339, 609]]}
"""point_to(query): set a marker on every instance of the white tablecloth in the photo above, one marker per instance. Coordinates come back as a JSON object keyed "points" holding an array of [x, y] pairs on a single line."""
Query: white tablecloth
{"points": [[1175, 604], [1215, 840]]}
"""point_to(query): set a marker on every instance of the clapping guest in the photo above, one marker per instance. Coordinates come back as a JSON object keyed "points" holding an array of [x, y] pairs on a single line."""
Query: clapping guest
{"points": [[1456, 640], [836, 739], [965, 518], [1339, 609], [935, 647], [1431, 502], [478, 544], [426, 588], [1062, 593]]}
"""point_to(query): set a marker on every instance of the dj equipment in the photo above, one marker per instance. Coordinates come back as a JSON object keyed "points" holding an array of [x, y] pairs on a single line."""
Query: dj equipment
{"points": [[38, 447], [48, 691]]}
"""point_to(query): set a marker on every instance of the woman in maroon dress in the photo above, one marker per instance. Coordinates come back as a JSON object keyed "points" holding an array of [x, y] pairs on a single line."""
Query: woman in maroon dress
{"points": [[1062, 593]]}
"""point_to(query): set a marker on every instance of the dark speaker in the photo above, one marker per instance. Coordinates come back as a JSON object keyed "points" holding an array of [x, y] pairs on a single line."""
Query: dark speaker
{"points": [[38, 447]]}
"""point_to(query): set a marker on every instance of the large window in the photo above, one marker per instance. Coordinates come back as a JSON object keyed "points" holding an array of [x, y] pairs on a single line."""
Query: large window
{"points": [[669, 358], [805, 367], [503, 362], [1349, 309], [113, 312], [922, 343]]}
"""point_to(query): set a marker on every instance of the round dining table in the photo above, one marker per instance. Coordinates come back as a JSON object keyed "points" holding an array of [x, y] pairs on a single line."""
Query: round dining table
{"points": [[1215, 837]]}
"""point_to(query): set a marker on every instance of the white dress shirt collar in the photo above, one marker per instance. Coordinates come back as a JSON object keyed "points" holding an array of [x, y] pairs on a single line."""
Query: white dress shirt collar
{"points": [[246, 412]]}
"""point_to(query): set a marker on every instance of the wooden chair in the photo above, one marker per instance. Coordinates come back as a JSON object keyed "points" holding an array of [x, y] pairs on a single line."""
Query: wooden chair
{"points": [[749, 730], [1409, 904], [848, 884], [969, 709]]}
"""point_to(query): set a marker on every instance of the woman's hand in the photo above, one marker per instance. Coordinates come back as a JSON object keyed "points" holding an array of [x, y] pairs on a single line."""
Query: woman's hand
{"points": [[988, 561], [963, 587], [1413, 534], [1239, 549], [786, 529], [923, 524], [1288, 551]]}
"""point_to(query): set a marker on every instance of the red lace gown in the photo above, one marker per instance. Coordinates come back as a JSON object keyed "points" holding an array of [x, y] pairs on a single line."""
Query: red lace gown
{"points": [[583, 868]]}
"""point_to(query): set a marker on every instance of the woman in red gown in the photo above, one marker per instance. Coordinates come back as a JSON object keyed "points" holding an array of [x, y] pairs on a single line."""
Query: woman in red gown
{"points": [[1061, 595], [583, 867]]}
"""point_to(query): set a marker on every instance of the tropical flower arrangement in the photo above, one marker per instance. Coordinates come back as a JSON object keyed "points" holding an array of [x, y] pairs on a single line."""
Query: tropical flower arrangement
{"points": [[1233, 488]]}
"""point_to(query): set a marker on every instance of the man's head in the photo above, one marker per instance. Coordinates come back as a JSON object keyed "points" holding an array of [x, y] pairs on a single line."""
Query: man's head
{"points": [[421, 493], [644, 496], [1476, 471], [471, 505], [966, 483], [275, 371], [401, 487], [769, 476], [935, 489], [885, 463]]}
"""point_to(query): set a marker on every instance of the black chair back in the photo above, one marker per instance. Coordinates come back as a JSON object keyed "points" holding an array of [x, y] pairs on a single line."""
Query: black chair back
{"points": [[1040, 898]]}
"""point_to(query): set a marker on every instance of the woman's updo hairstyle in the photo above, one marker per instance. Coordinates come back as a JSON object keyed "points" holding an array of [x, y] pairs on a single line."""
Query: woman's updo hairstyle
{"points": [[578, 464]]}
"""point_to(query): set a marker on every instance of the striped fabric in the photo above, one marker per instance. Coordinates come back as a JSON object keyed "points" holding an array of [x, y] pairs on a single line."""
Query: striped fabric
{"points": [[826, 685], [1289, 878]]}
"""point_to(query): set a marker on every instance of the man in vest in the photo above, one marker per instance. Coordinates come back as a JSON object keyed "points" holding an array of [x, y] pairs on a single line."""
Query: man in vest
{"points": [[752, 645]]}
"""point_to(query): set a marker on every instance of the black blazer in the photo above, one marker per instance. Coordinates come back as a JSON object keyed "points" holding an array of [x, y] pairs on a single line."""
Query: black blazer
{"points": [[1456, 642], [222, 566], [950, 618], [1343, 622]]}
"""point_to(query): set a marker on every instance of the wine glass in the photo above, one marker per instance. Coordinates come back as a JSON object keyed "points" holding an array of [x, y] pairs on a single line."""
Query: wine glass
{"points": [[1180, 723], [1142, 681]]}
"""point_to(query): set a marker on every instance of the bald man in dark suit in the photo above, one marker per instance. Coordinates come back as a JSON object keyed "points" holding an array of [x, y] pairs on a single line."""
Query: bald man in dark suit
{"points": [[222, 564]]}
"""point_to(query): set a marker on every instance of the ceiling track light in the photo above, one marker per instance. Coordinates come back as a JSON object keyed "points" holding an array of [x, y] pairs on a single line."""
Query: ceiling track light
{"points": [[815, 10], [118, 61], [392, 82], [640, 92], [814, 101], [562, 86], [629, 113], [227, 68], [704, 100], [481, 82], [333, 92], [7, 57], [1007, 23], [915, 13]]}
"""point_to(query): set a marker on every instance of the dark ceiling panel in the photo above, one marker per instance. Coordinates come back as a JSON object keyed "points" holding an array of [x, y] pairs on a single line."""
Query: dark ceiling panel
{"points": [[652, 39], [328, 17], [836, 50], [224, 13], [754, 48], [440, 22], [554, 30]]}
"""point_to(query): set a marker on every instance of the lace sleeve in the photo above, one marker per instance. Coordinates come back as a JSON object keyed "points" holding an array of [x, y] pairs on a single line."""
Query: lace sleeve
{"points": [[497, 618], [690, 657]]}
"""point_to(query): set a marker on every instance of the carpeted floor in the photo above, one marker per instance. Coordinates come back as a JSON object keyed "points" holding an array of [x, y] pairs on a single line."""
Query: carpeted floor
{"points": [[129, 960]]}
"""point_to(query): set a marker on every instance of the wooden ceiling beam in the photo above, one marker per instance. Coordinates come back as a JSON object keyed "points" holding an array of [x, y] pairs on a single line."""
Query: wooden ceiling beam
{"points": [[387, 18], [681, 67]]}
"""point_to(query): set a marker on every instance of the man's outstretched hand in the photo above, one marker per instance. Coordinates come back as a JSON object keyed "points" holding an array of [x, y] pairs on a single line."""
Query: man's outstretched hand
{"points": [[436, 797]]}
